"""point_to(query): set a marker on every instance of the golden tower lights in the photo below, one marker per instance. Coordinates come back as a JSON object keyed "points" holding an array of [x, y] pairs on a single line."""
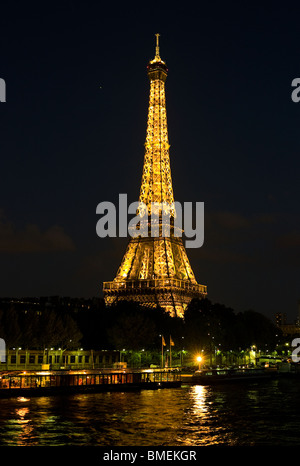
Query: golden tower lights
{"points": [[156, 270]]}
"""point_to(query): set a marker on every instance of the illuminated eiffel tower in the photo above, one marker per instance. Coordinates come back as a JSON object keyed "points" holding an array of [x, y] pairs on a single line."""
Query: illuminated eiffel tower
{"points": [[156, 270]]}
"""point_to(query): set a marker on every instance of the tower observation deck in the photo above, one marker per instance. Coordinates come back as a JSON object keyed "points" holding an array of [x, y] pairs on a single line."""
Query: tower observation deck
{"points": [[156, 270]]}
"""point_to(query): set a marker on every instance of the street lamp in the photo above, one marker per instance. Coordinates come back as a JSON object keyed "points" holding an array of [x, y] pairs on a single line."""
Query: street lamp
{"points": [[199, 359]]}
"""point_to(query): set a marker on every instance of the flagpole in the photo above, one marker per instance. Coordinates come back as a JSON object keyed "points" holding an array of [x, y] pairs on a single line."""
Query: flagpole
{"points": [[171, 344]]}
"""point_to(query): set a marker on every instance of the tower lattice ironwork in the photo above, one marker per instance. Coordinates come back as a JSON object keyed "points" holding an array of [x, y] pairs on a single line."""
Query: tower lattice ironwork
{"points": [[156, 270]]}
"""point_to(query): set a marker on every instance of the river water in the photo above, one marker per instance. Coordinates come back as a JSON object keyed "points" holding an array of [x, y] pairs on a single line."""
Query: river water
{"points": [[264, 413]]}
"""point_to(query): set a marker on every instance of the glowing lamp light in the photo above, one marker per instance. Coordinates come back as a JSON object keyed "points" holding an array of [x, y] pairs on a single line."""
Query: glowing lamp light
{"points": [[199, 359]]}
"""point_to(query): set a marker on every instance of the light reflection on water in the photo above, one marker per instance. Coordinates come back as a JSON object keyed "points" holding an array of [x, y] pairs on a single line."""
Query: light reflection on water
{"points": [[254, 414], [198, 393]]}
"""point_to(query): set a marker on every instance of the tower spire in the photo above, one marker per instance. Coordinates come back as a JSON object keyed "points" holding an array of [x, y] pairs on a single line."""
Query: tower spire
{"points": [[157, 60], [157, 56]]}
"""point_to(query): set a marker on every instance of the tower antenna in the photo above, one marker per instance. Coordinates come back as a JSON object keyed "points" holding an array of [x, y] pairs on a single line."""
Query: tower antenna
{"points": [[157, 47]]}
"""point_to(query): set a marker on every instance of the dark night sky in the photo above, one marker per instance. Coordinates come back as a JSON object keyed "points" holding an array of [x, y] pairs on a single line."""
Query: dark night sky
{"points": [[73, 127]]}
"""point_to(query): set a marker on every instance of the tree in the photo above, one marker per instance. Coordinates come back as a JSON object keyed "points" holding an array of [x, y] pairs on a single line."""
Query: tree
{"points": [[256, 329], [131, 328], [10, 328], [57, 329], [215, 326]]}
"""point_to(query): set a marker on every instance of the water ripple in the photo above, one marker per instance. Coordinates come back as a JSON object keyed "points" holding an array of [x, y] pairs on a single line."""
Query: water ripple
{"points": [[254, 414]]}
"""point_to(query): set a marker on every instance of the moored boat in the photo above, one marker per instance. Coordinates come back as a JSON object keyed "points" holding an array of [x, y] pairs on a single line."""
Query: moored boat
{"points": [[219, 375], [41, 383]]}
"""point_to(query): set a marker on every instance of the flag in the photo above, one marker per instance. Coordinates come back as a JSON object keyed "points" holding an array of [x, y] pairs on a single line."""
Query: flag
{"points": [[171, 341], [163, 340]]}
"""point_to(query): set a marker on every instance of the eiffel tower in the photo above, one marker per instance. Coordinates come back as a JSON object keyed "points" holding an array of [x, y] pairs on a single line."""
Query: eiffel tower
{"points": [[156, 270]]}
